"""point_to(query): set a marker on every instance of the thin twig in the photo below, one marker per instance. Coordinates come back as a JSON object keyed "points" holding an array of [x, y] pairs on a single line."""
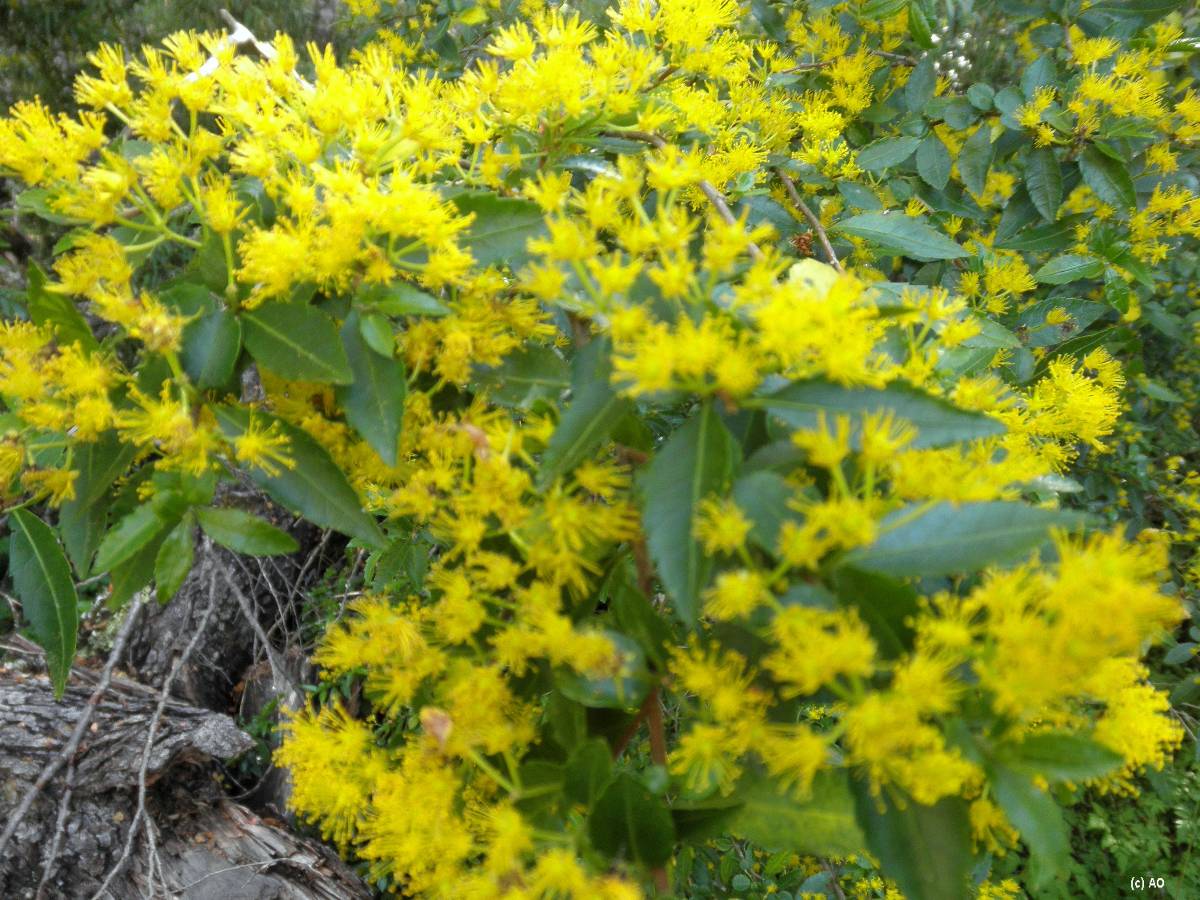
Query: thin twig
{"points": [[68, 751], [811, 217], [706, 187], [164, 696], [278, 669], [898, 58]]}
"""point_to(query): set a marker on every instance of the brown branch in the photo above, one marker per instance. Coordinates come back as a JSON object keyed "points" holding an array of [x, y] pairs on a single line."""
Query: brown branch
{"points": [[898, 58], [68, 751], [706, 187], [812, 219]]}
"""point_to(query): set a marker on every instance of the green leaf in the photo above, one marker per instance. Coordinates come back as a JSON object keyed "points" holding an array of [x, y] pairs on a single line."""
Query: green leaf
{"points": [[903, 235], [57, 311], [174, 559], [822, 825], [1069, 267], [938, 422], [501, 227], [374, 402], [81, 527], [1037, 817], [1109, 178], [377, 332], [589, 771], [628, 822], [624, 690], [925, 849], [241, 532], [981, 95], [81, 520], [594, 410], [211, 345], [135, 573], [975, 159], [297, 342], [944, 539], [1060, 756], [886, 605], [314, 486], [130, 535], [528, 375], [922, 82], [919, 26], [42, 579], [1044, 181], [697, 460], [885, 153], [763, 497], [636, 617], [1049, 237], [933, 161], [882, 9], [399, 298]]}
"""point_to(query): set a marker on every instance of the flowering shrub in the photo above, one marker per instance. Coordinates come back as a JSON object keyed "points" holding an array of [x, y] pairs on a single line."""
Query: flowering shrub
{"points": [[684, 356]]}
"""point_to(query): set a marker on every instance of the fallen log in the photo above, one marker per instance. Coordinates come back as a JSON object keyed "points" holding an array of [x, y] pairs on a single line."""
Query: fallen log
{"points": [[141, 756]]}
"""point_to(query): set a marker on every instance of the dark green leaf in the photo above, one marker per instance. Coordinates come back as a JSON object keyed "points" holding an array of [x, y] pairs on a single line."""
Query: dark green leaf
{"points": [[975, 159], [589, 770], [882, 9], [919, 26], [945, 539], [628, 822], [376, 330], [922, 82], [374, 402], [174, 559], [885, 153], [594, 410], [211, 345], [822, 825], [1037, 817], [1069, 267], [314, 486], [57, 311], [501, 227], [626, 690], [399, 298], [130, 535], [901, 234], [1060, 756], [135, 573], [525, 377], [887, 606], [937, 421], [297, 342], [42, 579], [1049, 237], [1044, 181], [243, 533], [697, 460], [1109, 178], [933, 162], [925, 849]]}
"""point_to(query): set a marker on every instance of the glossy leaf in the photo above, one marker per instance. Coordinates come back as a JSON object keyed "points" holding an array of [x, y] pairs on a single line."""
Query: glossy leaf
{"points": [[975, 159], [938, 422], [1038, 819], [933, 162], [58, 311], [174, 559], [1109, 178], [501, 228], [42, 579], [297, 342], [1044, 181], [242, 532], [211, 345], [888, 152], [696, 461], [130, 534], [903, 235], [525, 377], [1061, 756], [945, 539], [399, 298], [374, 402], [1069, 267], [314, 486]]}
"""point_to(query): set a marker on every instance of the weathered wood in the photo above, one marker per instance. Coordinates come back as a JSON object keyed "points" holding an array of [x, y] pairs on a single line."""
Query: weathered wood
{"points": [[207, 845]]}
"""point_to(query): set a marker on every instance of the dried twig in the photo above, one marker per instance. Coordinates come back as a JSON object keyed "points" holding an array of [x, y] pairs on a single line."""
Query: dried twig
{"points": [[706, 187], [278, 668], [811, 217], [69, 749]]}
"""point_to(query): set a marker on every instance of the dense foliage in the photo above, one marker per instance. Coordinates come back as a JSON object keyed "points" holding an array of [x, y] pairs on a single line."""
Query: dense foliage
{"points": [[729, 399]]}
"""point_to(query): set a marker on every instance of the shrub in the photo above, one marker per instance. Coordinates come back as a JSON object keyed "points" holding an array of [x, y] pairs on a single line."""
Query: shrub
{"points": [[685, 370]]}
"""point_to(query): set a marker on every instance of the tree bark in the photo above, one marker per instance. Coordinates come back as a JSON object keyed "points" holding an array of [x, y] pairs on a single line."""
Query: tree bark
{"points": [[205, 846]]}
